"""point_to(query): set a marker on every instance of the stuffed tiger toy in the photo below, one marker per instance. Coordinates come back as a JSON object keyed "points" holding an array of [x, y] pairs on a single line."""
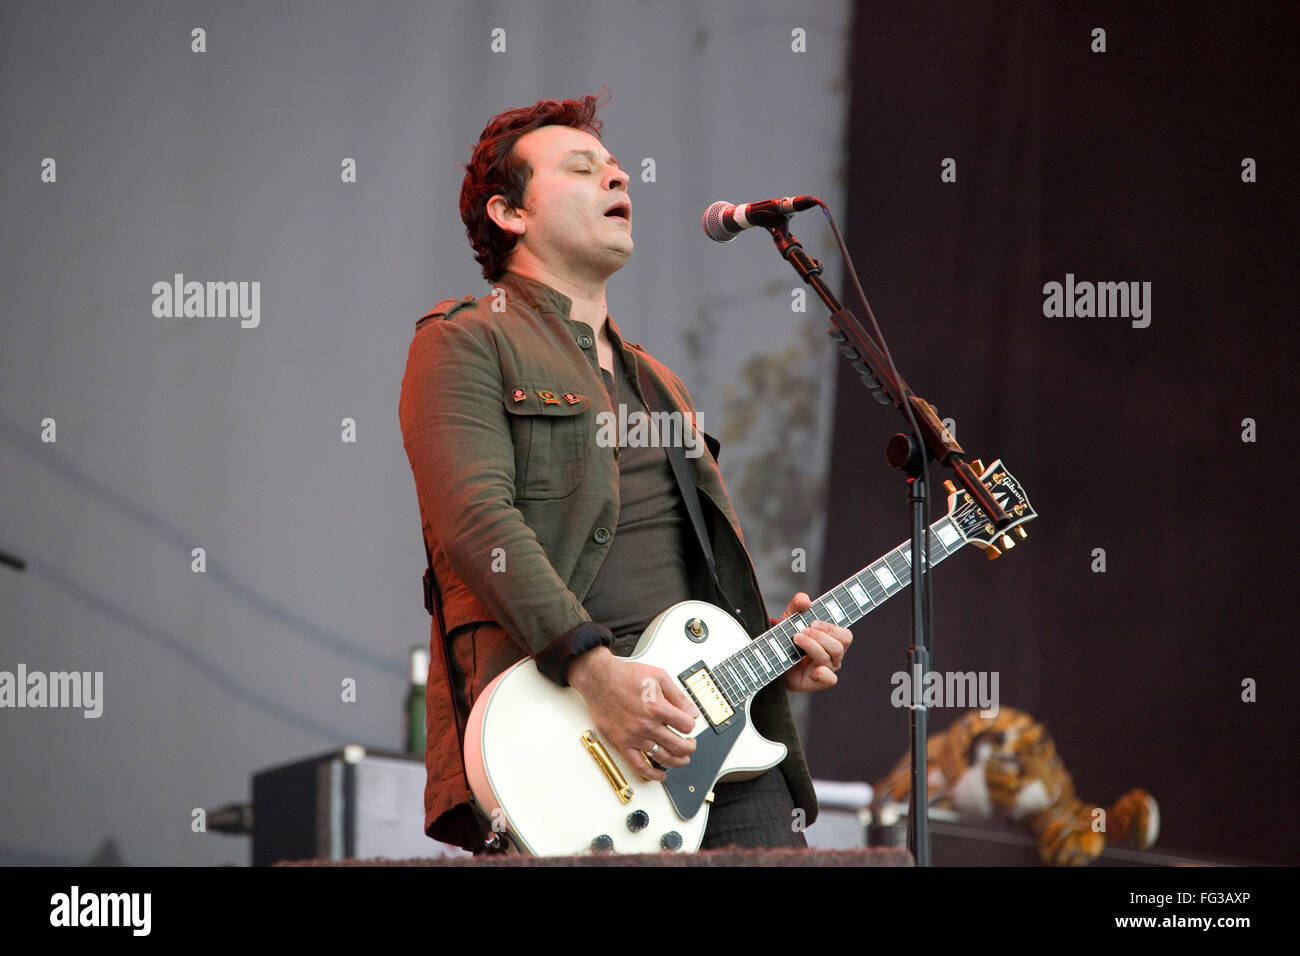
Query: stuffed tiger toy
{"points": [[1010, 764]]}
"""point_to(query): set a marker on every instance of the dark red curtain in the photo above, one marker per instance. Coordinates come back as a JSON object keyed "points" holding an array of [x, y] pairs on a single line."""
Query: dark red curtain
{"points": [[1122, 166]]}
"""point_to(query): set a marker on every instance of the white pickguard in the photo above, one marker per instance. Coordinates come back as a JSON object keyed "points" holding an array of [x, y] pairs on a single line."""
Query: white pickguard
{"points": [[531, 773]]}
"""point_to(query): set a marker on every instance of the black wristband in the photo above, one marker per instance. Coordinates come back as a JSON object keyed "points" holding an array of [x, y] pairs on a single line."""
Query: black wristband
{"points": [[554, 659]]}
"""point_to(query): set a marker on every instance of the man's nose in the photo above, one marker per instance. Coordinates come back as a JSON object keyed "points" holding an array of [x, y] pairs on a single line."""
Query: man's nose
{"points": [[617, 179]]}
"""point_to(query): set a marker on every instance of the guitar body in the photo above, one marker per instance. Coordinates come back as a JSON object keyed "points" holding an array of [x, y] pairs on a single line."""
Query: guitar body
{"points": [[540, 772], [533, 775]]}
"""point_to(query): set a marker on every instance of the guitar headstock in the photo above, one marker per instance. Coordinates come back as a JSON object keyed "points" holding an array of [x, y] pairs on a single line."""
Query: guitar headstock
{"points": [[973, 525]]}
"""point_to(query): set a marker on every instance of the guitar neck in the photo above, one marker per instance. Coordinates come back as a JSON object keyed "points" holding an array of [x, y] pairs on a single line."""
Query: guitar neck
{"points": [[774, 652]]}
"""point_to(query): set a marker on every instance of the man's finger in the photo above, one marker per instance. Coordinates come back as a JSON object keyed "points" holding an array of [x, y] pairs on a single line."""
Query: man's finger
{"points": [[841, 634], [829, 638], [673, 750], [642, 766], [670, 742], [812, 648], [681, 710], [800, 602]]}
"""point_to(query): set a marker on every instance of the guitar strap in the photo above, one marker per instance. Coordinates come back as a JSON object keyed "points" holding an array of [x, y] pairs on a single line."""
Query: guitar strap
{"points": [[433, 604], [685, 476]]}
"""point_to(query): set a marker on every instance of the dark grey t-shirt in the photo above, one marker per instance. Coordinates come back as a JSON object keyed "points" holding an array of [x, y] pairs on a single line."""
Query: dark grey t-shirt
{"points": [[645, 570]]}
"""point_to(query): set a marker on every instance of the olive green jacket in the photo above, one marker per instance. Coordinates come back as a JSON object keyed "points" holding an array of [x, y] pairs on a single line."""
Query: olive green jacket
{"points": [[519, 504]]}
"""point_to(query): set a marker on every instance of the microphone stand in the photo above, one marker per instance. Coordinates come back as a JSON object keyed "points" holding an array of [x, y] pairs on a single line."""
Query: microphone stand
{"points": [[907, 452]]}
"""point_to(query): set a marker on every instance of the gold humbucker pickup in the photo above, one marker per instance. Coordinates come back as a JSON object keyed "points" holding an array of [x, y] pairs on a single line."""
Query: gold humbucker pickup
{"points": [[708, 696]]}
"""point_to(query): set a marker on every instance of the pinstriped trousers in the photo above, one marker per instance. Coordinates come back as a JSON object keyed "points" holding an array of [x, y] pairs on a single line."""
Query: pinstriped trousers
{"points": [[753, 813]]}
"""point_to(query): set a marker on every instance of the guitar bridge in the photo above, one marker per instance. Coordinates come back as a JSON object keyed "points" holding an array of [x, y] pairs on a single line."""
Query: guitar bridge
{"points": [[617, 782], [713, 704]]}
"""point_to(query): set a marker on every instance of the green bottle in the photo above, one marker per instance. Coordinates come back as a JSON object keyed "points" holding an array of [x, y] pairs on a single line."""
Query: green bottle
{"points": [[415, 701]]}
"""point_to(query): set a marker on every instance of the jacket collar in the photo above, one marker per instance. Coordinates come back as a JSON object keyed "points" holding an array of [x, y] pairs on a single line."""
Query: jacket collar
{"points": [[537, 295], [540, 296]]}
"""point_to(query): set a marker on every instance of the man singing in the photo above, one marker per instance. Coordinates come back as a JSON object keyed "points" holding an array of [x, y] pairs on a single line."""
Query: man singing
{"points": [[548, 539]]}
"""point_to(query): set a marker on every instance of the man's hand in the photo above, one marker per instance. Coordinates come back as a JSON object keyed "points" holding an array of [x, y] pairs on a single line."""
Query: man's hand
{"points": [[633, 706], [824, 644]]}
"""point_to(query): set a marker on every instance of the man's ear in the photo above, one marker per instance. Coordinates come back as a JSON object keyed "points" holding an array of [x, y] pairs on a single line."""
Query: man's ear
{"points": [[506, 217]]}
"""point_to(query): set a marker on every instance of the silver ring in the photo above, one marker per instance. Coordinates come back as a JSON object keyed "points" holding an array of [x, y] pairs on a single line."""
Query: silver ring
{"points": [[652, 751]]}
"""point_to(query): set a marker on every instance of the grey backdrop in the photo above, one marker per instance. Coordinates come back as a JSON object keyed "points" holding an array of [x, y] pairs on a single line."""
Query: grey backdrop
{"points": [[173, 434]]}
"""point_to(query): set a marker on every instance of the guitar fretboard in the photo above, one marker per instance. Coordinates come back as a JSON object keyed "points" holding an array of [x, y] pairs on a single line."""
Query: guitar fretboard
{"points": [[774, 652]]}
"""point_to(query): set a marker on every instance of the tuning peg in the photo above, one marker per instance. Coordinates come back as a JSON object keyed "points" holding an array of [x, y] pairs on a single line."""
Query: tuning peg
{"points": [[993, 551], [950, 487], [978, 465], [1022, 532], [1007, 543]]}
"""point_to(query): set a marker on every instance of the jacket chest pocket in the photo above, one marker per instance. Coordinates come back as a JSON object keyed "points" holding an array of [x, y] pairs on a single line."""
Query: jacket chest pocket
{"points": [[550, 429]]}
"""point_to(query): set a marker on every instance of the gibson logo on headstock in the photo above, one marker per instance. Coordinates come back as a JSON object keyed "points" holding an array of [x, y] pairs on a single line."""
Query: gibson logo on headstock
{"points": [[1006, 491]]}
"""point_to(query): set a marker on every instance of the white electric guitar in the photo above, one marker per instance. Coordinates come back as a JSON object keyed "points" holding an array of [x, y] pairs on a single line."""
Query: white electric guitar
{"points": [[544, 777]]}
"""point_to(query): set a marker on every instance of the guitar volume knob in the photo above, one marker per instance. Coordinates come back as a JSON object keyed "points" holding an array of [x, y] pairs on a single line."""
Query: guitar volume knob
{"points": [[672, 840], [603, 844], [638, 820]]}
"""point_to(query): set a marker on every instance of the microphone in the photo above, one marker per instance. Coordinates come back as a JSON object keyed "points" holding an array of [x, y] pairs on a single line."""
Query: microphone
{"points": [[723, 221]]}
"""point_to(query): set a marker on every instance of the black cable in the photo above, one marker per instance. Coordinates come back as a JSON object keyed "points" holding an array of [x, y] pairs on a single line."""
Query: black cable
{"points": [[907, 407]]}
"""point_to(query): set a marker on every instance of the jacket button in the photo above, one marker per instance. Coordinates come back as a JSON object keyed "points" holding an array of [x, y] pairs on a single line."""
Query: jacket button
{"points": [[585, 340], [600, 535]]}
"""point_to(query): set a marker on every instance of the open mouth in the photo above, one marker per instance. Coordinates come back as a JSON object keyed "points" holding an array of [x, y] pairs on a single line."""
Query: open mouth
{"points": [[622, 211]]}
